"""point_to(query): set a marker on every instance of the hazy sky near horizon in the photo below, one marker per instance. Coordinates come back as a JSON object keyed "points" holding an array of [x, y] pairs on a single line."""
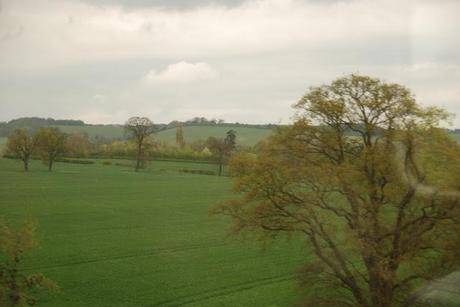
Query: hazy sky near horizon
{"points": [[103, 61]]}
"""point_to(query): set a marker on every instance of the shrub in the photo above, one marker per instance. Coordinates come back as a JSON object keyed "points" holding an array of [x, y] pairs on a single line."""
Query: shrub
{"points": [[197, 171], [75, 161], [107, 162], [123, 164]]}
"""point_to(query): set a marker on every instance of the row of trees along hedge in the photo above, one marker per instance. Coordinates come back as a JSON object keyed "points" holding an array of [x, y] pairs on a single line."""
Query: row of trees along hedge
{"points": [[50, 143], [138, 129]]}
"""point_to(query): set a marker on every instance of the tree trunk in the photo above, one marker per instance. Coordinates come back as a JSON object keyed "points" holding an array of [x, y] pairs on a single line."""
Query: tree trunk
{"points": [[139, 152], [221, 164], [50, 163], [381, 295], [380, 288], [26, 164]]}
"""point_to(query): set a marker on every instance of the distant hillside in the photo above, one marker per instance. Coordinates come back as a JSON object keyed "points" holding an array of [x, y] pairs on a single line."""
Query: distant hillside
{"points": [[95, 131], [32, 123], [245, 135], [195, 129]]}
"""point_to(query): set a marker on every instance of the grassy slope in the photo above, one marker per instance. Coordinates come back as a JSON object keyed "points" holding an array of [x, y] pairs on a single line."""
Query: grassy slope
{"points": [[112, 237], [245, 136], [93, 131]]}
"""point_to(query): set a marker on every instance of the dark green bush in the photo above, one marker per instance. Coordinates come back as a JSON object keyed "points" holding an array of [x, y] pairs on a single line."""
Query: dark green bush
{"points": [[123, 164], [75, 161], [197, 171]]}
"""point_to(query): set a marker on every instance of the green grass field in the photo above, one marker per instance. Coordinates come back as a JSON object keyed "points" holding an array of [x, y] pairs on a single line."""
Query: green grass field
{"points": [[245, 135], [113, 237]]}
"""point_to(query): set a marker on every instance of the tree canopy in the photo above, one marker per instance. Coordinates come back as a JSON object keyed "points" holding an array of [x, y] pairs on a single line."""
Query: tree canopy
{"points": [[369, 180], [51, 143], [22, 145]]}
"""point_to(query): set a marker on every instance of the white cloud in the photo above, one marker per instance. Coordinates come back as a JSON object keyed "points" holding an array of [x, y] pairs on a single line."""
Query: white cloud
{"points": [[181, 72], [55, 55]]}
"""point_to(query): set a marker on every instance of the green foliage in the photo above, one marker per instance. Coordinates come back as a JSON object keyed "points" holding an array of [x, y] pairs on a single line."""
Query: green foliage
{"points": [[78, 145], [51, 144], [15, 285], [164, 150], [22, 145]]}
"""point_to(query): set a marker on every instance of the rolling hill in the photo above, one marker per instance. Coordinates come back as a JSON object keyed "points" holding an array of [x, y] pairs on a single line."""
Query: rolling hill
{"points": [[245, 135], [93, 131]]}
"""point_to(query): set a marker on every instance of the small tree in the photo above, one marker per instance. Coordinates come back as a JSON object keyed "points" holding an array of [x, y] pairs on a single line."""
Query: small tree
{"points": [[22, 145], [230, 141], [14, 283], [180, 141], [222, 148], [51, 144], [138, 130]]}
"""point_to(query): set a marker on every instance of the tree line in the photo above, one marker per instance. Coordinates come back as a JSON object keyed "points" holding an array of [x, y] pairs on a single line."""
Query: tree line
{"points": [[51, 144]]}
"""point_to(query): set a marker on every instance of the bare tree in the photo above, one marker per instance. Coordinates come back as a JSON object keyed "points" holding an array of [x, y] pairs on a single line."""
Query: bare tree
{"points": [[138, 130], [222, 148]]}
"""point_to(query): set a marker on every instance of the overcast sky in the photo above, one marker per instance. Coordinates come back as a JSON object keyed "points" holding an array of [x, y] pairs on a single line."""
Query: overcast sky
{"points": [[247, 61]]}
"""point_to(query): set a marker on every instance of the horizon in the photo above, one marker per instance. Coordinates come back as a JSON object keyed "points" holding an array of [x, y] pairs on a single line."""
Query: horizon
{"points": [[209, 121]]}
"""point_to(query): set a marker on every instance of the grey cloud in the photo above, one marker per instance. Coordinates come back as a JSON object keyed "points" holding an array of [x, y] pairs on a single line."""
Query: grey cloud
{"points": [[169, 4], [265, 55]]}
